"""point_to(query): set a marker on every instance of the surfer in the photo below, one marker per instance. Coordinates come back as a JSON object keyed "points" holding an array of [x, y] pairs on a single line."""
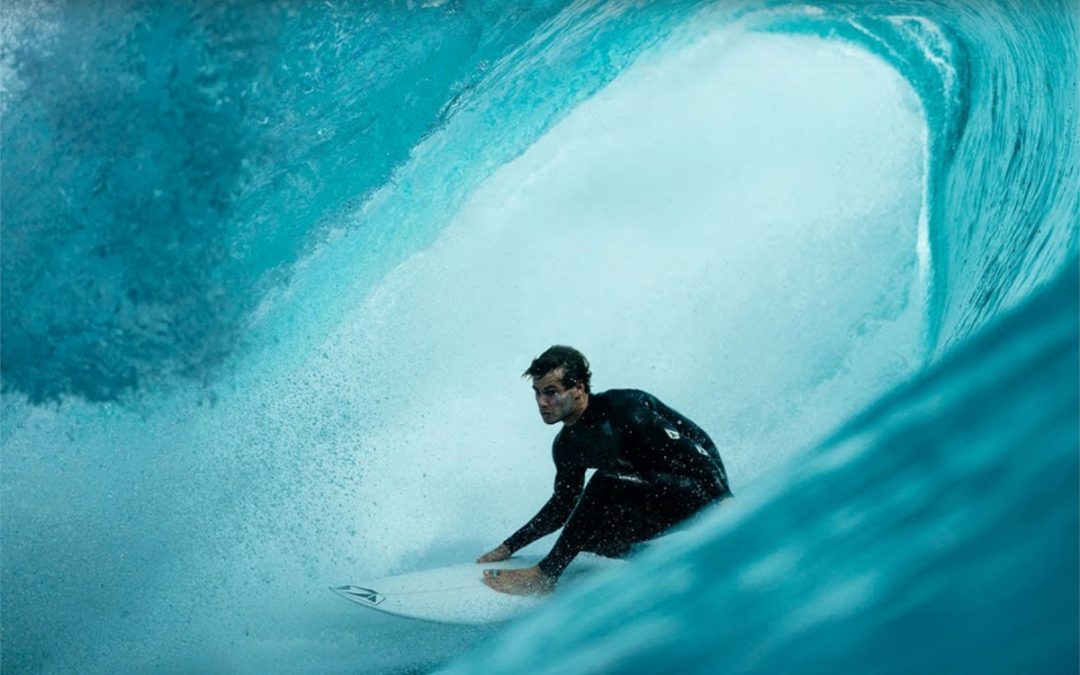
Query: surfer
{"points": [[655, 469]]}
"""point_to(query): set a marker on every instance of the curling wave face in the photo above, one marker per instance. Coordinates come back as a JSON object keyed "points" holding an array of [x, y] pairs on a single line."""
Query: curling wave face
{"points": [[249, 297]]}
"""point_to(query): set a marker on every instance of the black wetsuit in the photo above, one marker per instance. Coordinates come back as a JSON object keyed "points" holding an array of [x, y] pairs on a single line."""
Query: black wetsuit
{"points": [[655, 468]]}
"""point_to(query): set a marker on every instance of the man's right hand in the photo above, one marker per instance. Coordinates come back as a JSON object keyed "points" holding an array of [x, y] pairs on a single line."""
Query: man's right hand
{"points": [[501, 552]]}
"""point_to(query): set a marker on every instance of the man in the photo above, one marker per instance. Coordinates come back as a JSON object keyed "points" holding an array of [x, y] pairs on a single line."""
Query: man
{"points": [[655, 469]]}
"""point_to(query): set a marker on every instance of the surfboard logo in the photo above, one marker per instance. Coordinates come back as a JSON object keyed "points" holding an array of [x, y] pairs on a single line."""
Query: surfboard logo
{"points": [[364, 596]]}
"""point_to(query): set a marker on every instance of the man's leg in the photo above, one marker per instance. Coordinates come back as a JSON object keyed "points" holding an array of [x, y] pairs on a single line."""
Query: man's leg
{"points": [[618, 510]]}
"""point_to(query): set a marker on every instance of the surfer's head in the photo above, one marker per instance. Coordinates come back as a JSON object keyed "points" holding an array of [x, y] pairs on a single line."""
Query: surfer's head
{"points": [[560, 381]]}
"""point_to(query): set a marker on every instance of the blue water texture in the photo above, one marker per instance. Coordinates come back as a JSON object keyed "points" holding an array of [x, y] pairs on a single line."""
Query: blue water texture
{"points": [[270, 270]]}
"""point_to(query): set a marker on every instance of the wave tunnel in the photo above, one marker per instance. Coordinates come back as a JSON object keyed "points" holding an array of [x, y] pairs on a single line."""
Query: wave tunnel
{"points": [[271, 272]]}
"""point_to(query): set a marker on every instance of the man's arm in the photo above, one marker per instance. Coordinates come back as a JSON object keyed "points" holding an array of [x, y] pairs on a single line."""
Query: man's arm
{"points": [[569, 482]]}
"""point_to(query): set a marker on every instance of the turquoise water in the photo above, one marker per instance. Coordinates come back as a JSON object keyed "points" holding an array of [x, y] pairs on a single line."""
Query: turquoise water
{"points": [[269, 275]]}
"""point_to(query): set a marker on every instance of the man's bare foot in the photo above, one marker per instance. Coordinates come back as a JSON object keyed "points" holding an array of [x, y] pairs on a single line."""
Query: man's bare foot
{"points": [[521, 581]]}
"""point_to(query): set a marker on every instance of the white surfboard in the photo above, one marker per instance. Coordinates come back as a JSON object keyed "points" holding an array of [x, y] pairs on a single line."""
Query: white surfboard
{"points": [[457, 594]]}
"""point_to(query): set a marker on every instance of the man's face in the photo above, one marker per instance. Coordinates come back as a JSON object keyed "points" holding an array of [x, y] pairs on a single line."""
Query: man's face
{"points": [[554, 400]]}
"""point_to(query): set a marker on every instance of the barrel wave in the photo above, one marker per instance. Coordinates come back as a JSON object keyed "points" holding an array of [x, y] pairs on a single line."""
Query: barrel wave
{"points": [[270, 273]]}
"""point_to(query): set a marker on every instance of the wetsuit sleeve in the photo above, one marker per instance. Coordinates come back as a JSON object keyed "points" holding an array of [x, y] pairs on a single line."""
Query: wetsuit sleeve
{"points": [[554, 514]]}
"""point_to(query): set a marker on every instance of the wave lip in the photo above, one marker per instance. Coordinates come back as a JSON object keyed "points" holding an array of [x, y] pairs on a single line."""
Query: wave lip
{"points": [[153, 200]]}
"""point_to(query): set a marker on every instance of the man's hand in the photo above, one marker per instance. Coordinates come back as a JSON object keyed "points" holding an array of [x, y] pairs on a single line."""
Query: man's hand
{"points": [[502, 552]]}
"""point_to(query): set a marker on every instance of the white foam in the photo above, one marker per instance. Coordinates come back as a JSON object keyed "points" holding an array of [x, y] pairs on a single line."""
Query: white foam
{"points": [[733, 227]]}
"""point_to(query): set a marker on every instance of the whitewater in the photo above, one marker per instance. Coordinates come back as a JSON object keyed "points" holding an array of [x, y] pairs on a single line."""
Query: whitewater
{"points": [[271, 273]]}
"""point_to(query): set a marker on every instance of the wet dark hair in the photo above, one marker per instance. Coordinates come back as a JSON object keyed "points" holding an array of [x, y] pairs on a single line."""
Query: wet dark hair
{"points": [[573, 363]]}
